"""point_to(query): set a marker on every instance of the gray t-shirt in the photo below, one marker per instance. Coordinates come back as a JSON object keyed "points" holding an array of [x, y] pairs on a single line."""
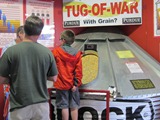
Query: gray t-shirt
{"points": [[28, 65]]}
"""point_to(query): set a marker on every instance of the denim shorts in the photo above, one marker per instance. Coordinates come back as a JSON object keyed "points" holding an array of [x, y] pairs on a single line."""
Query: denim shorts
{"points": [[67, 99]]}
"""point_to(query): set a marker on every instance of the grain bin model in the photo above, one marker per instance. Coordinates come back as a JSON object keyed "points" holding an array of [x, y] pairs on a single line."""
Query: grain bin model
{"points": [[112, 61]]}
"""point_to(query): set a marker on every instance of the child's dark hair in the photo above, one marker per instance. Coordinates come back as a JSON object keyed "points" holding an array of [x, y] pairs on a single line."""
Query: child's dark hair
{"points": [[20, 29], [68, 36]]}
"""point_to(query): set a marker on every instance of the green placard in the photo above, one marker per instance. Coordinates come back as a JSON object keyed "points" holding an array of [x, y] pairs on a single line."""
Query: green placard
{"points": [[142, 84]]}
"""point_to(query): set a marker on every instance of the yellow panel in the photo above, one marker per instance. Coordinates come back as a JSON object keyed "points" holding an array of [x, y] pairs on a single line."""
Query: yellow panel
{"points": [[90, 67]]}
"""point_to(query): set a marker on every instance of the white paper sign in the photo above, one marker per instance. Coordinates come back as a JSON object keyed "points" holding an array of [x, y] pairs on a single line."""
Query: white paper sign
{"points": [[134, 67]]}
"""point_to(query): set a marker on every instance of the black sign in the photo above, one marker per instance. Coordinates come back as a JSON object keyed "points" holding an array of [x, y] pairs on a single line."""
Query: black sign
{"points": [[131, 20]]}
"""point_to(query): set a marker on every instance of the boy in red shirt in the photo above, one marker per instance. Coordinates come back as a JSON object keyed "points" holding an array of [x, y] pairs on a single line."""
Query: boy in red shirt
{"points": [[69, 66]]}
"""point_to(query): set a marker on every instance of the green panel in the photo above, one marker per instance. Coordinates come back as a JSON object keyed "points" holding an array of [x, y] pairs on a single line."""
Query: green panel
{"points": [[142, 84]]}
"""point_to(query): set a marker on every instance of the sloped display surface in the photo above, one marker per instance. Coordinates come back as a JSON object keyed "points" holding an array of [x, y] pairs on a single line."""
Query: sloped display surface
{"points": [[125, 69]]}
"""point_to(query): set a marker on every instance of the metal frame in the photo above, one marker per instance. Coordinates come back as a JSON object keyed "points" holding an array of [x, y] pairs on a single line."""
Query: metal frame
{"points": [[85, 90]]}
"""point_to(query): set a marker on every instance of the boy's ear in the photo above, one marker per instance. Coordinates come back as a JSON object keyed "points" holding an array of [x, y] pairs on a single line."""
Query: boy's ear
{"points": [[64, 40]]}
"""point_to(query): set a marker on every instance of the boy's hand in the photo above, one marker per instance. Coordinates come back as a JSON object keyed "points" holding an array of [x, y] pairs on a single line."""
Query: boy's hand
{"points": [[74, 88]]}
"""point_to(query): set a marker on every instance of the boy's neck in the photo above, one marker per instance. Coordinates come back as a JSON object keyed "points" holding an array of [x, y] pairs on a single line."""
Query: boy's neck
{"points": [[65, 44]]}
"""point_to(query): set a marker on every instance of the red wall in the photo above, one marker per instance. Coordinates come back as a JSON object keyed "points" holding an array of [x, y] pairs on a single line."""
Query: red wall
{"points": [[1, 102], [143, 34]]}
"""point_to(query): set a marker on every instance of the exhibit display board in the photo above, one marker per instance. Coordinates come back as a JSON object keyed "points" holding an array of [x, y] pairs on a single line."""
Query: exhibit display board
{"points": [[82, 13], [20, 10]]}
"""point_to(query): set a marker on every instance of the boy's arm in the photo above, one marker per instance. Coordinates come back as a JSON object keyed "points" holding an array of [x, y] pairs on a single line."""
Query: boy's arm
{"points": [[78, 72]]}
